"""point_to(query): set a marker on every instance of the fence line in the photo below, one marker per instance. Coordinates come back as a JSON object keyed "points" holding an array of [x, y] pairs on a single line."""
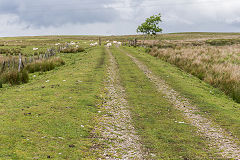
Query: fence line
{"points": [[20, 62]]}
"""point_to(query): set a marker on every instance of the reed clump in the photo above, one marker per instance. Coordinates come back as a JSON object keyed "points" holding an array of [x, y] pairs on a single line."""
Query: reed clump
{"points": [[13, 76], [44, 65]]}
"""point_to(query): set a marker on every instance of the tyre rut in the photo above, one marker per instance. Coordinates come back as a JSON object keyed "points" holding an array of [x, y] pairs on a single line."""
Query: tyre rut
{"points": [[115, 125]]}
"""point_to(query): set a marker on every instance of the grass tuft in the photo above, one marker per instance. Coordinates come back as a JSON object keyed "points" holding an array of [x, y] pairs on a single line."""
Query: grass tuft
{"points": [[14, 77], [45, 65]]}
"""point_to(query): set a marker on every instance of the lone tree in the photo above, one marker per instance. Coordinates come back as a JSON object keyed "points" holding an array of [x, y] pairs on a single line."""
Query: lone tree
{"points": [[151, 25]]}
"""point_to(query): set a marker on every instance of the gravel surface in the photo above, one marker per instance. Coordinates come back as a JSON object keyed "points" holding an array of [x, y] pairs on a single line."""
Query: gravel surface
{"points": [[115, 126], [218, 138]]}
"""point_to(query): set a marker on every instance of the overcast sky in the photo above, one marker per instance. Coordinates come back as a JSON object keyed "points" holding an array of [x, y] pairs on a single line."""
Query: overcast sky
{"points": [[115, 17]]}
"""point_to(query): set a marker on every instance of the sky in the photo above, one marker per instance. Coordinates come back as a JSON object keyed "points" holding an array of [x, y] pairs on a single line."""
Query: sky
{"points": [[115, 17]]}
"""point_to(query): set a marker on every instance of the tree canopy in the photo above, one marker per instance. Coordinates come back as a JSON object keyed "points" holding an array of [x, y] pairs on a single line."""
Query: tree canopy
{"points": [[151, 25]]}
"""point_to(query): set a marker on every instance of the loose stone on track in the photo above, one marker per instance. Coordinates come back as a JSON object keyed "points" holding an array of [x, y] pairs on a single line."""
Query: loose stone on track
{"points": [[115, 126]]}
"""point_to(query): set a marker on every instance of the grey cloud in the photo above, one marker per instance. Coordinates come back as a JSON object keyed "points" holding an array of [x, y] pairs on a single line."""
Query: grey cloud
{"points": [[6, 7], [44, 13], [199, 15], [98, 16]]}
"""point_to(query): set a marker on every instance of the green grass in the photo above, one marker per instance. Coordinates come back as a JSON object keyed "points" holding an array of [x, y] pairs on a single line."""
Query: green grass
{"points": [[213, 103], [173, 36], [155, 118], [25, 46], [43, 118], [25, 50], [223, 42]]}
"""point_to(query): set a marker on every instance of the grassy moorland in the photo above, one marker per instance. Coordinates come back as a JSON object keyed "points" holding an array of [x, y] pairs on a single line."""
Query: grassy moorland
{"points": [[36, 55], [216, 65], [52, 115], [55, 113], [194, 36]]}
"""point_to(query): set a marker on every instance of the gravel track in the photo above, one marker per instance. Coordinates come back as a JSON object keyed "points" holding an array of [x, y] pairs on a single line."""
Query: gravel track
{"points": [[115, 125], [218, 138]]}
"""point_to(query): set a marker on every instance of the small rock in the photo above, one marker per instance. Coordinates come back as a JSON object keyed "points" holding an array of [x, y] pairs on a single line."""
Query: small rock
{"points": [[153, 155], [71, 145], [181, 122]]}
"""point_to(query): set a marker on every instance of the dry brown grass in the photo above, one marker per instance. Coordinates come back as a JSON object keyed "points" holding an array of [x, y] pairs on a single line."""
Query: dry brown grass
{"points": [[218, 66]]}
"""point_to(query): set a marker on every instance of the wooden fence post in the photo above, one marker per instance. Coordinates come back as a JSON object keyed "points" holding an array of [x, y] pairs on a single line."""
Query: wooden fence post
{"points": [[9, 63], [100, 41], [135, 42], [13, 63], [20, 64], [30, 59], [3, 66]]}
